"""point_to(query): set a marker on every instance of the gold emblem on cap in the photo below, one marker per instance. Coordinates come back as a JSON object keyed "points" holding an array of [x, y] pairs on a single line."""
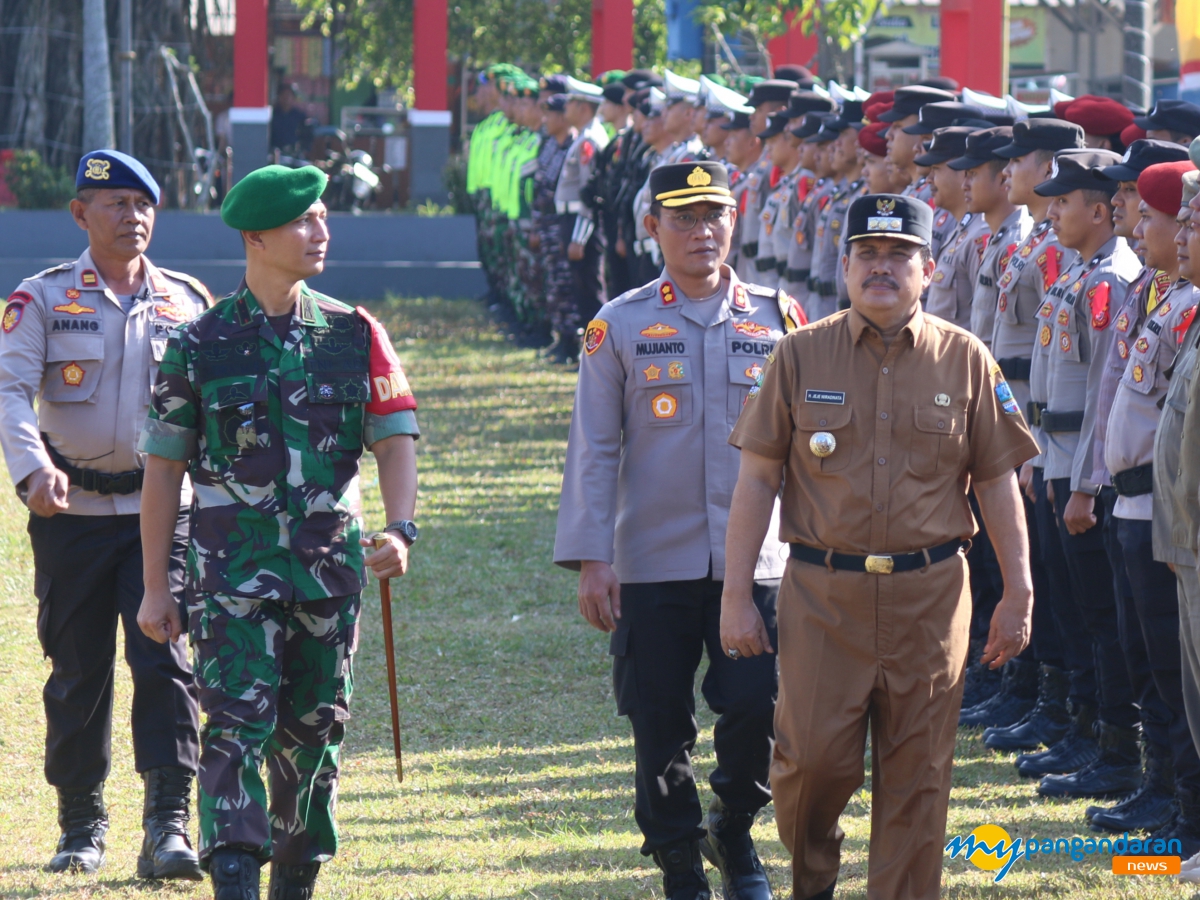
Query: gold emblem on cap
{"points": [[97, 169], [822, 444], [941, 400], [885, 206], [699, 178]]}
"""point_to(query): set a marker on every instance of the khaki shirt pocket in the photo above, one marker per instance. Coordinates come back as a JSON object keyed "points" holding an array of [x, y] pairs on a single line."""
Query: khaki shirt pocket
{"points": [[73, 367], [811, 418], [939, 440]]}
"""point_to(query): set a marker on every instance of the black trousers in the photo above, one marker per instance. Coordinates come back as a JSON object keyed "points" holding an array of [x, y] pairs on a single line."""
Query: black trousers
{"points": [[1096, 605], [87, 575], [1076, 642], [617, 278], [1151, 631], [1045, 644], [987, 585], [663, 631]]}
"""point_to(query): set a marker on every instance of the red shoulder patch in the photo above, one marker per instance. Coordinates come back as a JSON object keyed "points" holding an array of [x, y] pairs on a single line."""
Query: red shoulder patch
{"points": [[1098, 304], [390, 391], [586, 152], [1181, 329]]}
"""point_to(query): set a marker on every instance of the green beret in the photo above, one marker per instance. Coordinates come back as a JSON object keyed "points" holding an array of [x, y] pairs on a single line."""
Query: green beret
{"points": [[272, 196]]}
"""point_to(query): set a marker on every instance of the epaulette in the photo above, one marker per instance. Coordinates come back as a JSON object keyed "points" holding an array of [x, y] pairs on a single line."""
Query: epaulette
{"points": [[759, 291], [50, 271], [193, 282], [336, 304], [645, 292]]}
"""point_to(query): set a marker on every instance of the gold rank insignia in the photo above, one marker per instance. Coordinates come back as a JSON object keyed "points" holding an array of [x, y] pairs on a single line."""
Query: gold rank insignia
{"points": [[72, 374], [652, 372], [1138, 373]]}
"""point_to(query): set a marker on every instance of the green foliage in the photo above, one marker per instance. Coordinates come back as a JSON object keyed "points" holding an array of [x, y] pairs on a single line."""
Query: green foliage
{"points": [[375, 38], [37, 185], [649, 34], [841, 21]]}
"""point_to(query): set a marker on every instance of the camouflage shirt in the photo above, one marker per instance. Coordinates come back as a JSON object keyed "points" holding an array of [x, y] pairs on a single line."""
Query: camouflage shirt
{"points": [[274, 431]]}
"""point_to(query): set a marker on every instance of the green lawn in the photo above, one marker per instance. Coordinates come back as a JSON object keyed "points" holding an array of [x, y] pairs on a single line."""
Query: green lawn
{"points": [[519, 773]]}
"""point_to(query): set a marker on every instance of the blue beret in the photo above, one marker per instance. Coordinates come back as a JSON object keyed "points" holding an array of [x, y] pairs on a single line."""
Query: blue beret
{"points": [[113, 169]]}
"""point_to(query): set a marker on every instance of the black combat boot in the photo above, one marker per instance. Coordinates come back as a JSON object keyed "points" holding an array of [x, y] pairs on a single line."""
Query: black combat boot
{"points": [[826, 894], [728, 847], [1150, 807], [683, 871], [293, 882], [1116, 772], [1183, 827], [234, 874], [1046, 723], [1016, 697], [980, 683], [1077, 748], [166, 849], [84, 822]]}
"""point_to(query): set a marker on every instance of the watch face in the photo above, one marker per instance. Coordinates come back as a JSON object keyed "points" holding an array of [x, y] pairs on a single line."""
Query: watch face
{"points": [[409, 530]]}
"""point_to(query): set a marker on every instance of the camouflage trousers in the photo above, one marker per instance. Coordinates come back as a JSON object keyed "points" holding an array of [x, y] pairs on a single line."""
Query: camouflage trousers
{"points": [[531, 307], [275, 682], [560, 280], [485, 237]]}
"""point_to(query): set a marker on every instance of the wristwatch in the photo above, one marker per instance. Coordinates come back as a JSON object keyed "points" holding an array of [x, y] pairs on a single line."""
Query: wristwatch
{"points": [[406, 528]]}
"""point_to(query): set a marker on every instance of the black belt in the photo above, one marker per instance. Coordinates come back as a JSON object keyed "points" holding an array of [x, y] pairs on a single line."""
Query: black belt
{"points": [[1135, 482], [766, 264], [1033, 412], [1062, 421], [796, 276], [877, 563], [826, 288], [1014, 368], [750, 248], [97, 482], [781, 268]]}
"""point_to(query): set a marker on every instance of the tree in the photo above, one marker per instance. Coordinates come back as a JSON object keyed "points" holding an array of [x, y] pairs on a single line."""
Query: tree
{"points": [[97, 79]]}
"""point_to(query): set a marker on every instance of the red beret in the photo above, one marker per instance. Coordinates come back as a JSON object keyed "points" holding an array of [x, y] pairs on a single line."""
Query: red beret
{"points": [[1161, 185], [1060, 108], [1098, 115], [877, 104], [871, 138], [1132, 133]]}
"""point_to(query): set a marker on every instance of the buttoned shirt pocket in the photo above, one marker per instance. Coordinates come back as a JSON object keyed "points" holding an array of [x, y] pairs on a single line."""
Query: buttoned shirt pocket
{"points": [[939, 440], [1141, 373], [664, 394], [73, 366], [743, 372], [811, 418], [235, 412]]}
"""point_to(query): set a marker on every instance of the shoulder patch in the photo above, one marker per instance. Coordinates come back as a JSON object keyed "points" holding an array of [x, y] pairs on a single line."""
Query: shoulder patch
{"points": [[594, 335], [63, 267], [191, 281]]}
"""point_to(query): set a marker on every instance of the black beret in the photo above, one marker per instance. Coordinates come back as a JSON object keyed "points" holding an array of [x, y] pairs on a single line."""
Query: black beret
{"points": [[555, 103], [615, 92], [1079, 170], [1141, 155], [809, 125], [770, 90], [113, 169], [1042, 134], [890, 216], [947, 144], [908, 101], [682, 184], [982, 146], [1172, 115], [555, 84], [640, 78], [942, 115]]}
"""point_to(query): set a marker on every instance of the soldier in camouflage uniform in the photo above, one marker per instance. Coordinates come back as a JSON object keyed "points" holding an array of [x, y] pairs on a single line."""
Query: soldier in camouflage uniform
{"points": [[268, 400], [548, 224]]}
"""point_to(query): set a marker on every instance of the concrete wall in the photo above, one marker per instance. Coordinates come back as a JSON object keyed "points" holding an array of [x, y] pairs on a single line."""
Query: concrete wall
{"points": [[369, 255]]}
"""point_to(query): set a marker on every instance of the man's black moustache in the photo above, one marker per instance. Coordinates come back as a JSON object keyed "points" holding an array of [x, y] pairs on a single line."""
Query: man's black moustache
{"points": [[880, 279]]}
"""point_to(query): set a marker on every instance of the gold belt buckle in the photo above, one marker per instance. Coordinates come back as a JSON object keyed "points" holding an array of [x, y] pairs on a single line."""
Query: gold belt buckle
{"points": [[880, 565]]}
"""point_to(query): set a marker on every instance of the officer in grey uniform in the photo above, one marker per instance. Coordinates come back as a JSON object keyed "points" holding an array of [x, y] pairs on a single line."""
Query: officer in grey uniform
{"points": [[953, 284], [665, 371], [584, 249], [826, 265], [765, 98], [79, 348]]}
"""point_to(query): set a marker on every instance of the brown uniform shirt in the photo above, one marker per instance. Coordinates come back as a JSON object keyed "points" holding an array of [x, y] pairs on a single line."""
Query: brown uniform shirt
{"points": [[912, 422]]}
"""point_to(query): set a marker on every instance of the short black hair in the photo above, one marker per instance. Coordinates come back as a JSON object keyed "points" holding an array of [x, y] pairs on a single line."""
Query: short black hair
{"points": [[1098, 196], [656, 209]]}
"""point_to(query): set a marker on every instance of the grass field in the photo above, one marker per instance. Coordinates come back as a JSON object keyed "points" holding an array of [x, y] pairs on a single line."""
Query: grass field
{"points": [[519, 773]]}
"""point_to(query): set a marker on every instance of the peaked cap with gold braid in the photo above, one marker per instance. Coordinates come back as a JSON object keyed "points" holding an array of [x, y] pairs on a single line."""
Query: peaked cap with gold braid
{"points": [[682, 184]]}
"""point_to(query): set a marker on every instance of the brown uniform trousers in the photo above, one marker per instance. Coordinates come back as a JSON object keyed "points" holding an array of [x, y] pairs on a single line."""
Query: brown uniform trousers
{"points": [[914, 422]]}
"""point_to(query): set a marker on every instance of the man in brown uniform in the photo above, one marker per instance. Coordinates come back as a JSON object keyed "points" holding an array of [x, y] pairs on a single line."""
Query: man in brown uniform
{"points": [[881, 416]]}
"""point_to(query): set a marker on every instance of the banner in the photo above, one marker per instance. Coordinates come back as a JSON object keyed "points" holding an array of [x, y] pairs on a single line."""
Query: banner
{"points": [[1187, 26]]}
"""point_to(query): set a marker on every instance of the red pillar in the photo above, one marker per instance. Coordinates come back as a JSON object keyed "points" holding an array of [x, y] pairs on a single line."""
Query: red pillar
{"points": [[974, 44], [429, 54], [250, 55], [794, 47], [612, 35]]}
